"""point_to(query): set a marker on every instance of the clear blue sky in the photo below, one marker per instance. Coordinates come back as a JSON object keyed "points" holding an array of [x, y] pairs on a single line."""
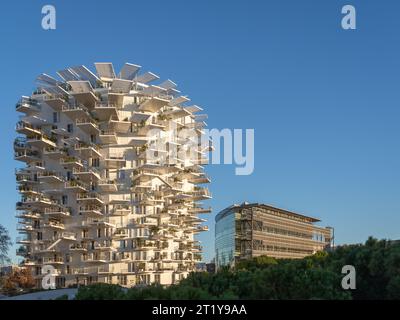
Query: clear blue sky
{"points": [[324, 102]]}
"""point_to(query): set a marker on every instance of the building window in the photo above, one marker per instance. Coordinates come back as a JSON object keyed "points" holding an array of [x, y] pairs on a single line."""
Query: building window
{"points": [[55, 117], [70, 127], [95, 162], [64, 200]]}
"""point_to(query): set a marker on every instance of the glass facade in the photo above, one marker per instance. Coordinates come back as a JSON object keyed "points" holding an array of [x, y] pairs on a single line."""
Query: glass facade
{"points": [[225, 239]]}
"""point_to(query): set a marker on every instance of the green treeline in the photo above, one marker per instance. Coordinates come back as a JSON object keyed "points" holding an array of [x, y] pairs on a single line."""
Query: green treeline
{"points": [[377, 265]]}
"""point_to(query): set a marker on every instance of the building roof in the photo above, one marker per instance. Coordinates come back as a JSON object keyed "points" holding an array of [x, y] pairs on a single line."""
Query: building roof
{"points": [[245, 205]]}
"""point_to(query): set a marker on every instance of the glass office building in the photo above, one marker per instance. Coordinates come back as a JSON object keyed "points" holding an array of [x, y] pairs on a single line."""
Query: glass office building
{"points": [[249, 230]]}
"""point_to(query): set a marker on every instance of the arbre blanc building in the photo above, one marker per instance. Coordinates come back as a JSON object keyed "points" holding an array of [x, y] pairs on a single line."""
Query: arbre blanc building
{"points": [[111, 187]]}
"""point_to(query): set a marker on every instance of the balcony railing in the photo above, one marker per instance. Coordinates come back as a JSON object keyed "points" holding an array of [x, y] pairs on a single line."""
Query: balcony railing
{"points": [[26, 153], [75, 108], [42, 138], [68, 235], [84, 145], [51, 174], [20, 143], [88, 209], [83, 170], [53, 224], [76, 184], [26, 103], [51, 260], [86, 121], [27, 200], [24, 125], [89, 196], [57, 211], [67, 161]]}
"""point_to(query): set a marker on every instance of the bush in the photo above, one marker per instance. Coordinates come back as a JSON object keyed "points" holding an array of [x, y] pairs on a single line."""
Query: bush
{"points": [[100, 291], [377, 265]]}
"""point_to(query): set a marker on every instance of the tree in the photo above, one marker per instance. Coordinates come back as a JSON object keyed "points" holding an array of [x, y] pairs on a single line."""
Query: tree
{"points": [[5, 243], [20, 279]]}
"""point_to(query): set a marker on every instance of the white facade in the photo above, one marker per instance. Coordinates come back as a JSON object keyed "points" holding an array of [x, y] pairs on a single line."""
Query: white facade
{"points": [[111, 187]]}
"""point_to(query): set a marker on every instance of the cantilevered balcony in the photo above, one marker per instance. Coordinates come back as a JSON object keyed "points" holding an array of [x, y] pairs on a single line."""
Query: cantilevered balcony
{"points": [[24, 177], [91, 211], [53, 260], [122, 125], [153, 104], [104, 111], [71, 162], [88, 150], [29, 263], [87, 125], [41, 141], [75, 112], [198, 210], [76, 186], [120, 233], [76, 247], [67, 236], [35, 201], [86, 174], [199, 179], [57, 103], [198, 229], [54, 153], [24, 240], [83, 93], [90, 198], [108, 137], [25, 228], [50, 177], [96, 257], [22, 251], [103, 246], [61, 132], [57, 212], [27, 129], [21, 145], [107, 186], [114, 162], [140, 117], [200, 194], [28, 106], [54, 225], [27, 156], [28, 215], [29, 191], [120, 210]]}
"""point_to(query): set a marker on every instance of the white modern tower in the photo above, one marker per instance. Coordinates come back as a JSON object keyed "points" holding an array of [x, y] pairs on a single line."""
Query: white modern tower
{"points": [[110, 189]]}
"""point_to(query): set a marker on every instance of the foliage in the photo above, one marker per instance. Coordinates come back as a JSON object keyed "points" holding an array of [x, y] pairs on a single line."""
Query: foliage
{"points": [[5, 243], [100, 291], [19, 280], [319, 276]]}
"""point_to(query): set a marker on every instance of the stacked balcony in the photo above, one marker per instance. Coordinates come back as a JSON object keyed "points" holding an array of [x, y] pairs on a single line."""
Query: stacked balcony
{"points": [[90, 185], [28, 106]]}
